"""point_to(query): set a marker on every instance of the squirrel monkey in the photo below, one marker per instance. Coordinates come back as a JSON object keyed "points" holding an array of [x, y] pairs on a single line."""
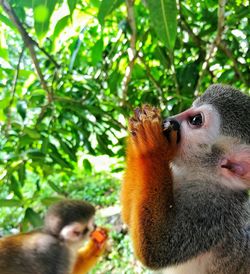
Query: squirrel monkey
{"points": [[54, 249], [185, 191]]}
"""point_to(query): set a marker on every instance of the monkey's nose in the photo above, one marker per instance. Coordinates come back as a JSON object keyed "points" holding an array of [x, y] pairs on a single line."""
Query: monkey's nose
{"points": [[172, 123], [169, 125]]}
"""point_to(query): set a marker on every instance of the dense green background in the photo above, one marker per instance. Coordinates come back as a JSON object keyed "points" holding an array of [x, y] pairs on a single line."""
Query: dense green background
{"points": [[70, 74]]}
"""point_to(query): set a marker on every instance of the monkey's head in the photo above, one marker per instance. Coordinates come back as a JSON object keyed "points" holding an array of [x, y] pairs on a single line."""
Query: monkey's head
{"points": [[70, 220], [215, 135]]}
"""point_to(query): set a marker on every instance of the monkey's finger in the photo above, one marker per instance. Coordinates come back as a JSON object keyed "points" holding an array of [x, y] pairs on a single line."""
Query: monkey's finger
{"points": [[153, 129], [133, 124], [151, 112], [137, 113]]}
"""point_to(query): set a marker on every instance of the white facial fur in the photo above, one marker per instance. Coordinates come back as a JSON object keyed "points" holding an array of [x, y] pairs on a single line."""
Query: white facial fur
{"points": [[192, 138], [197, 143], [77, 231]]}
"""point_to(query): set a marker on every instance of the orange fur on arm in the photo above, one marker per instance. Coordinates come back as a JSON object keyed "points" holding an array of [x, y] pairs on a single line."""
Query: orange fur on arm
{"points": [[89, 255], [147, 191]]}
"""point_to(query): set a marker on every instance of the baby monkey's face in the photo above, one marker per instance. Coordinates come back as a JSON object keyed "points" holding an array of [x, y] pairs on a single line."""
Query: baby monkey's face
{"points": [[78, 231]]}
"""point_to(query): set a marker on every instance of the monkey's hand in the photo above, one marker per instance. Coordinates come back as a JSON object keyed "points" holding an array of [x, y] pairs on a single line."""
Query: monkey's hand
{"points": [[89, 255], [100, 236], [148, 137], [147, 191]]}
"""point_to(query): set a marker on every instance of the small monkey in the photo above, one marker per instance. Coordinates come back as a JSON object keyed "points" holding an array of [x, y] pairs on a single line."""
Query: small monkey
{"points": [[54, 248], [185, 191]]}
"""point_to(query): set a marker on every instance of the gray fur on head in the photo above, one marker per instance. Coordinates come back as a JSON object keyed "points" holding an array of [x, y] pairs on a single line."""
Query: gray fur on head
{"points": [[66, 212], [234, 108]]}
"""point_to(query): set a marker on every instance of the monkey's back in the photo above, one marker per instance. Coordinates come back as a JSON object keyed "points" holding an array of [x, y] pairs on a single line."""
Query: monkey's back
{"points": [[33, 253]]}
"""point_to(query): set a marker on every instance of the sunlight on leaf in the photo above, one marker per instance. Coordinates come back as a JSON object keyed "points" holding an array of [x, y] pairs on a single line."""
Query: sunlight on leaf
{"points": [[41, 14]]}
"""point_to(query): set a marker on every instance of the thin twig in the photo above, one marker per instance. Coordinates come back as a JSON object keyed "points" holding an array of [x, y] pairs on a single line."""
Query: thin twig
{"points": [[171, 56], [132, 53], [46, 53], [13, 92], [16, 77], [216, 42], [196, 39], [150, 76], [29, 42], [223, 47]]}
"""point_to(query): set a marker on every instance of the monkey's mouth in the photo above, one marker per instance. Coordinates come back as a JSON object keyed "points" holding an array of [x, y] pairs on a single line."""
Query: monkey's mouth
{"points": [[170, 125]]}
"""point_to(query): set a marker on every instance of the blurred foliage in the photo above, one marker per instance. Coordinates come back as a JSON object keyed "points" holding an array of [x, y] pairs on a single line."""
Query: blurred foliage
{"points": [[71, 72]]}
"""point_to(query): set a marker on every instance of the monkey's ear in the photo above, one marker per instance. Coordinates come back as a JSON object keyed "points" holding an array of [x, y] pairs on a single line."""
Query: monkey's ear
{"points": [[238, 164]]}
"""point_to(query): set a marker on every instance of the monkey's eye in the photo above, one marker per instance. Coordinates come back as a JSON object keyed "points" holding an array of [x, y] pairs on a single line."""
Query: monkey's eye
{"points": [[196, 120], [85, 231], [77, 233]]}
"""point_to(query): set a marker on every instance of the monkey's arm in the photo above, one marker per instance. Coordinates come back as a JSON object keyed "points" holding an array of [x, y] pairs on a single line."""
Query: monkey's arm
{"points": [[89, 255], [169, 228], [147, 194]]}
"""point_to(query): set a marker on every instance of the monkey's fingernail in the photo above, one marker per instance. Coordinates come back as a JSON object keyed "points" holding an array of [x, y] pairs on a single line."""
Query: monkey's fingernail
{"points": [[137, 112], [166, 125]]}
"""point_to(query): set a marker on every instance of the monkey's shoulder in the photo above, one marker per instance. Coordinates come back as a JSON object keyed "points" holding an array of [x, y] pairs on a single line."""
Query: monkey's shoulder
{"points": [[30, 241]]}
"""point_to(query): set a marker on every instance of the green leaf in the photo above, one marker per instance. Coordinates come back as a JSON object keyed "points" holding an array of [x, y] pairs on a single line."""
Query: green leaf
{"points": [[160, 53], [10, 203], [103, 145], [21, 108], [44, 148], [87, 165], [188, 77], [7, 22], [57, 157], [106, 8], [72, 5], [54, 187], [163, 14], [138, 72], [68, 150], [4, 53], [35, 154], [20, 12], [33, 217], [32, 133], [60, 25], [96, 53], [43, 10], [22, 173], [15, 187]]}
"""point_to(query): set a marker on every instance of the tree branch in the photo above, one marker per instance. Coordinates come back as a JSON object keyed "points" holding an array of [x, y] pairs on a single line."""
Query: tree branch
{"points": [[29, 43], [132, 53], [196, 39], [149, 74], [216, 42], [46, 53]]}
